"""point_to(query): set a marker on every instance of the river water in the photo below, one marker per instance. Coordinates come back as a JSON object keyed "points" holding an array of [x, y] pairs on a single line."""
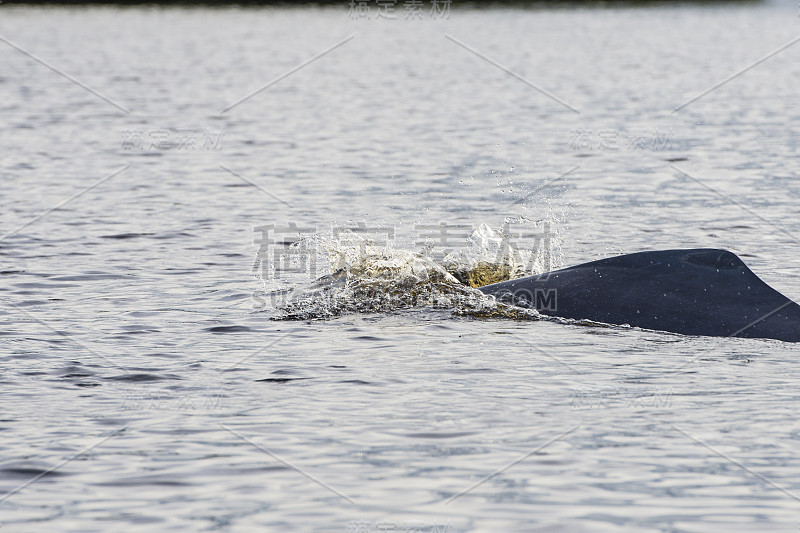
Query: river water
{"points": [[171, 178]]}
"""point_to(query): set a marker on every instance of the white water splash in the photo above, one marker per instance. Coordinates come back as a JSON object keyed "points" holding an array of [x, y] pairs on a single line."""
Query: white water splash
{"points": [[491, 256], [362, 276]]}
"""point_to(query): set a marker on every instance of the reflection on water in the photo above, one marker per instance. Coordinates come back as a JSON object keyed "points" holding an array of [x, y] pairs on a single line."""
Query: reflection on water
{"points": [[145, 386]]}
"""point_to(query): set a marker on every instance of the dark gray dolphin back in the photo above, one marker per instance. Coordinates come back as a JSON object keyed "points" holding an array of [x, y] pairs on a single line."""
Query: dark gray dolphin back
{"points": [[694, 292]]}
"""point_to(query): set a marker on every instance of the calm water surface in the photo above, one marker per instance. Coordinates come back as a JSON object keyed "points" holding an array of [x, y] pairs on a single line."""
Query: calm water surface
{"points": [[146, 388]]}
